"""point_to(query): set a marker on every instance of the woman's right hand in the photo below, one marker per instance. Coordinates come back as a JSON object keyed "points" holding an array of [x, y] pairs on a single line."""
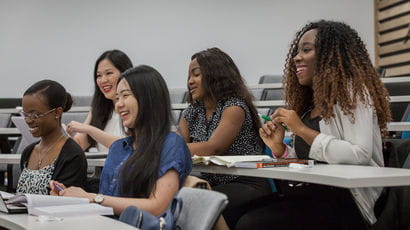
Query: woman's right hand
{"points": [[76, 127], [54, 191]]}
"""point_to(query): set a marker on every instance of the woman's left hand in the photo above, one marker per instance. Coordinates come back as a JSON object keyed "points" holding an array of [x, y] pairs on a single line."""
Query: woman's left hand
{"points": [[289, 118], [77, 192]]}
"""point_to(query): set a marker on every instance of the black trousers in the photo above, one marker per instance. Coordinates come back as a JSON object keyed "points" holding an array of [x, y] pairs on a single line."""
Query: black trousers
{"points": [[308, 206], [244, 193]]}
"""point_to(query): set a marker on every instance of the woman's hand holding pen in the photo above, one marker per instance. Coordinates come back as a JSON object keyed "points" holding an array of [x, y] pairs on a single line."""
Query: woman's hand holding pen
{"points": [[58, 189], [272, 134], [288, 118]]}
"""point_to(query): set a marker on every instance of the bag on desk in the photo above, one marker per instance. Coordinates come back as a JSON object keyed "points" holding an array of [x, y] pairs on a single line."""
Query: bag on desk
{"points": [[146, 221]]}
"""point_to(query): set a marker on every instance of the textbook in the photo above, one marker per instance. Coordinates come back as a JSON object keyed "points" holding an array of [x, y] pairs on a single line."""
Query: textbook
{"points": [[229, 161], [249, 161], [58, 206], [276, 162]]}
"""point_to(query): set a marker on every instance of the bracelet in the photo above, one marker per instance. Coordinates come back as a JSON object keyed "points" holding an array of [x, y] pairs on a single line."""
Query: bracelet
{"points": [[285, 154]]}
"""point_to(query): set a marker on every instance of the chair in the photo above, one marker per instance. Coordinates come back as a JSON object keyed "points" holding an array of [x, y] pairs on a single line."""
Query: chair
{"points": [[393, 206], [177, 95], [272, 94], [82, 100], [201, 208], [14, 170], [176, 115], [270, 79], [257, 94], [406, 117], [74, 116]]}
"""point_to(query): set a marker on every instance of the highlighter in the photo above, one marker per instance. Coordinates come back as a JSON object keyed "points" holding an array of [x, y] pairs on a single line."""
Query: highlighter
{"points": [[266, 118]]}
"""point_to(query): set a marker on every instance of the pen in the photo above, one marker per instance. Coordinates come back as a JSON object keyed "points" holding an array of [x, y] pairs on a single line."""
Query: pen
{"points": [[58, 187], [266, 118]]}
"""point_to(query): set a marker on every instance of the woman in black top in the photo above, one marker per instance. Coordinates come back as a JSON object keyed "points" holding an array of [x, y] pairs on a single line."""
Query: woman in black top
{"points": [[55, 156]]}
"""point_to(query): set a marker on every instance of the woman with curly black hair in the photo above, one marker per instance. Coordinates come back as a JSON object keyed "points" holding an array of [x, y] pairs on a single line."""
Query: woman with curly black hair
{"points": [[221, 120], [337, 109]]}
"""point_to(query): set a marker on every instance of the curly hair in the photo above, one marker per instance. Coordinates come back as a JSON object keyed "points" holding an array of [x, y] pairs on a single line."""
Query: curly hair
{"points": [[343, 74], [222, 80]]}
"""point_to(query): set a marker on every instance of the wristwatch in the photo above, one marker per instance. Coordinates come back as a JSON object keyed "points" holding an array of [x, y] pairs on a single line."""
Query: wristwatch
{"points": [[99, 198]]}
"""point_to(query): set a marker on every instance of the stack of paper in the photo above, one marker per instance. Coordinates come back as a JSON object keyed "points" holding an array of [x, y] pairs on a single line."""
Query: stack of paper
{"points": [[59, 206]]}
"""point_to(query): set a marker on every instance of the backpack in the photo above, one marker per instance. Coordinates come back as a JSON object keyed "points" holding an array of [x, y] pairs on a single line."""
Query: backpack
{"points": [[146, 221]]}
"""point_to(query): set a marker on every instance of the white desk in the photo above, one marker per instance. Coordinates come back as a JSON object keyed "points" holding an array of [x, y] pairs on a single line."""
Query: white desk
{"points": [[15, 159], [398, 126], [347, 176], [9, 131], [10, 110], [28, 222]]}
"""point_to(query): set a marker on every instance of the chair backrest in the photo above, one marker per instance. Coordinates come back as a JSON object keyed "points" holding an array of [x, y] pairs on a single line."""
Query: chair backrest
{"points": [[272, 94], [177, 95], [82, 100], [257, 94], [270, 79], [176, 115], [4, 120], [201, 208], [74, 116]]}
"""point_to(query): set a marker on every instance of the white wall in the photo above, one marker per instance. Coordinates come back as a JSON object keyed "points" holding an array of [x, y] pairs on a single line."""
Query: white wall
{"points": [[61, 39]]}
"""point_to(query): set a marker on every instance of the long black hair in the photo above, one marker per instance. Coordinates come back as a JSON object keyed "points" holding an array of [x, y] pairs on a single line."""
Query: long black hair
{"points": [[153, 122], [100, 105], [222, 80], [54, 94]]}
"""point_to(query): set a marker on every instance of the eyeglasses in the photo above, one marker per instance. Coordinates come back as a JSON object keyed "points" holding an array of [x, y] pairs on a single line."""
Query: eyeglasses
{"points": [[35, 116]]}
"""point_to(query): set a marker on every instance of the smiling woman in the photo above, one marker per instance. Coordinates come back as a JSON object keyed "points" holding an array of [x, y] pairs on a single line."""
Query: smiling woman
{"points": [[222, 120], [337, 109], [147, 168], [55, 156], [104, 129]]}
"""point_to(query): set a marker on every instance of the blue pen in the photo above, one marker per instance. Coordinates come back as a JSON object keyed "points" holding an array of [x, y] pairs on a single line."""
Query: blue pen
{"points": [[58, 187]]}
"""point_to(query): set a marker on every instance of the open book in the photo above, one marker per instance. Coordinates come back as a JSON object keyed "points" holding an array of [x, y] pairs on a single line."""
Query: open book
{"points": [[249, 161], [58, 206], [229, 161]]}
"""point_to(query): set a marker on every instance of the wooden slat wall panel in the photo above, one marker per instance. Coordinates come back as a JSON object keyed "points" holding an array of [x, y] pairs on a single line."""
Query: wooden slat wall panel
{"points": [[392, 25], [395, 47], [394, 59], [391, 36], [398, 71], [386, 3], [394, 11]]}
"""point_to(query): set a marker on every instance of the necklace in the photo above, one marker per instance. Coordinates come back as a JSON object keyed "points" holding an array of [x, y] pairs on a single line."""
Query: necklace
{"points": [[40, 159]]}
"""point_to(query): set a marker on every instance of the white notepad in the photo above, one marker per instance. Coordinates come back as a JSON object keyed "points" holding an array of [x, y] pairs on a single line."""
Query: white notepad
{"points": [[59, 206]]}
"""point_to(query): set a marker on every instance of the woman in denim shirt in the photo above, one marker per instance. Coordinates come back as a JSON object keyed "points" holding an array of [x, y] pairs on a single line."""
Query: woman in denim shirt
{"points": [[147, 168]]}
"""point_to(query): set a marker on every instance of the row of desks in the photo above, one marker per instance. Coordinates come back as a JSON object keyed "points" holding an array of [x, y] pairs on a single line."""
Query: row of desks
{"points": [[347, 176], [392, 126], [267, 103]]}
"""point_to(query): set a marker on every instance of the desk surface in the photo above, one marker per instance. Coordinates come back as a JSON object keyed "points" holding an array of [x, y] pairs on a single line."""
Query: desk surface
{"points": [[28, 222], [9, 131], [15, 158], [347, 176]]}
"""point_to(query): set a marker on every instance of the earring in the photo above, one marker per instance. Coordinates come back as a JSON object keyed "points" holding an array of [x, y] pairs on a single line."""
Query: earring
{"points": [[56, 117]]}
